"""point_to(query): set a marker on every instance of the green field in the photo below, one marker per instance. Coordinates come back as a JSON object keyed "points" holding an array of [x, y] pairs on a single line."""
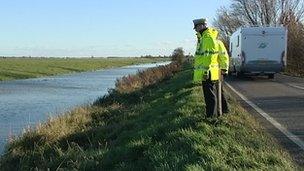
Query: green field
{"points": [[160, 127], [21, 68]]}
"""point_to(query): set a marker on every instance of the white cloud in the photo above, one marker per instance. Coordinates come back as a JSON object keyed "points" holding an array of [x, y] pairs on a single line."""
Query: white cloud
{"points": [[128, 49]]}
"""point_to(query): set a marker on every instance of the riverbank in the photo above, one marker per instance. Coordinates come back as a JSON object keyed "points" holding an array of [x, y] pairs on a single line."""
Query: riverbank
{"points": [[22, 68], [153, 121]]}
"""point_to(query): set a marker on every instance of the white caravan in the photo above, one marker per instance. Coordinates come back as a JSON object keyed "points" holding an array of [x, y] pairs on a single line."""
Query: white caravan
{"points": [[258, 50]]}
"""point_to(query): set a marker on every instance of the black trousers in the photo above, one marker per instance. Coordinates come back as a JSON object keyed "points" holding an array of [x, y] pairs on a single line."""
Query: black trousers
{"points": [[210, 95]]}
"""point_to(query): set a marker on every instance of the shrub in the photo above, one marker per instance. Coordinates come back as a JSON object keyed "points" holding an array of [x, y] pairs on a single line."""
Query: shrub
{"points": [[146, 78], [295, 51], [178, 55]]}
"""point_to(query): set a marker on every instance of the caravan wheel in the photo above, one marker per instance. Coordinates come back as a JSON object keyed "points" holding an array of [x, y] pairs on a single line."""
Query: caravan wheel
{"points": [[271, 76], [239, 74]]}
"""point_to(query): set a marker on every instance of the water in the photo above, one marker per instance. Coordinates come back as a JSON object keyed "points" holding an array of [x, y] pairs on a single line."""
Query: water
{"points": [[24, 103]]}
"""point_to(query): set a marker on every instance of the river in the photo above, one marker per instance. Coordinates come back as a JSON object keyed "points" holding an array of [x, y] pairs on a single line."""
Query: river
{"points": [[25, 103]]}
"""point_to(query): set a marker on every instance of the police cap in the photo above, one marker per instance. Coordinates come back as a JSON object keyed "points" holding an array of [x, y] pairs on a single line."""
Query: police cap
{"points": [[200, 21]]}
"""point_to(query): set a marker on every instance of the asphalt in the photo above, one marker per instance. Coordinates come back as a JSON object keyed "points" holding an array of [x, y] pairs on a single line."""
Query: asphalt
{"points": [[282, 98]]}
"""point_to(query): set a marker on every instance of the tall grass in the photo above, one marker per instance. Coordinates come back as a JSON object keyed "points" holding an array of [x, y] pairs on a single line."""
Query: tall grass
{"points": [[154, 127], [145, 78]]}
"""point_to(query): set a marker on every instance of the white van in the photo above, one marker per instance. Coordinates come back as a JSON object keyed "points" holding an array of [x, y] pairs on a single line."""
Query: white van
{"points": [[258, 51]]}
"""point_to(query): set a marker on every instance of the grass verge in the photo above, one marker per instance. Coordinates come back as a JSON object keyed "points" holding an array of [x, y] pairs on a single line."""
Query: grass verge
{"points": [[22, 68], [157, 127]]}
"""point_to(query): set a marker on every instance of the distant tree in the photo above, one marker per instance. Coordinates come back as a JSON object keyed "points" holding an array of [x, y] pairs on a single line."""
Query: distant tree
{"points": [[227, 23], [178, 55]]}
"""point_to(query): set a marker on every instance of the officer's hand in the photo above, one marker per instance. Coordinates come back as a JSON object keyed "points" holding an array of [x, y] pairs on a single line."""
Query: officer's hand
{"points": [[223, 71]]}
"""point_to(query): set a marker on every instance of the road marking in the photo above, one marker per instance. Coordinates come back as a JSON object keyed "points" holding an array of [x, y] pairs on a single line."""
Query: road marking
{"points": [[276, 124], [295, 86]]}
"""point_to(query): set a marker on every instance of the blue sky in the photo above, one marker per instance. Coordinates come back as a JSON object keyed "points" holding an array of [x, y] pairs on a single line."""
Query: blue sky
{"points": [[100, 27]]}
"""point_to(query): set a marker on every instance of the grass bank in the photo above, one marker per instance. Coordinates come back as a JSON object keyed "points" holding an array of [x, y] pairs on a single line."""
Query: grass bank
{"points": [[148, 127], [22, 68]]}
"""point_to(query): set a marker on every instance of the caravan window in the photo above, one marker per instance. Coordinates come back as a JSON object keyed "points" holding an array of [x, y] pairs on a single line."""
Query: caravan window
{"points": [[238, 41], [230, 48]]}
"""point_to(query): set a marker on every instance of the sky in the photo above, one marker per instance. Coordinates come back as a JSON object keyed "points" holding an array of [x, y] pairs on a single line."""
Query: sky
{"points": [[100, 28]]}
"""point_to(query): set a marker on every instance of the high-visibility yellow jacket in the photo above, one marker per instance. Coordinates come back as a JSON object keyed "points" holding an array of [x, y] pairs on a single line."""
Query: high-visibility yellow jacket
{"points": [[207, 61], [223, 58]]}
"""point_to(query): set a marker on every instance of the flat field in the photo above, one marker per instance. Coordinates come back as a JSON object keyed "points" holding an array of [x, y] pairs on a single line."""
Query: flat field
{"points": [[22, 68]]}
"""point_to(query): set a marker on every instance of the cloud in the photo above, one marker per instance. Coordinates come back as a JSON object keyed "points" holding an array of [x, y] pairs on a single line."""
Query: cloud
{"points": [[189, 41], [127, 49]]}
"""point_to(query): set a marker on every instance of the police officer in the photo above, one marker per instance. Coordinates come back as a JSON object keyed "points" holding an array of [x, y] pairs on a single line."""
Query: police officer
{"points": [[210, 63]]}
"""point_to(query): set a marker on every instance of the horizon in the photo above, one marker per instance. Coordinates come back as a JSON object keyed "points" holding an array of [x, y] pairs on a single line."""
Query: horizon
{"points": [[142, 56]]}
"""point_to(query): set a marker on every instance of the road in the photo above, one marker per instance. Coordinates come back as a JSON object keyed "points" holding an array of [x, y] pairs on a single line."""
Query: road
{"points": [[278, 104]]}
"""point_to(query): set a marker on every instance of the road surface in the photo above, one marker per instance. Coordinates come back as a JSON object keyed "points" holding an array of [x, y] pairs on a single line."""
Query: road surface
{"points": [[278, 104]]}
